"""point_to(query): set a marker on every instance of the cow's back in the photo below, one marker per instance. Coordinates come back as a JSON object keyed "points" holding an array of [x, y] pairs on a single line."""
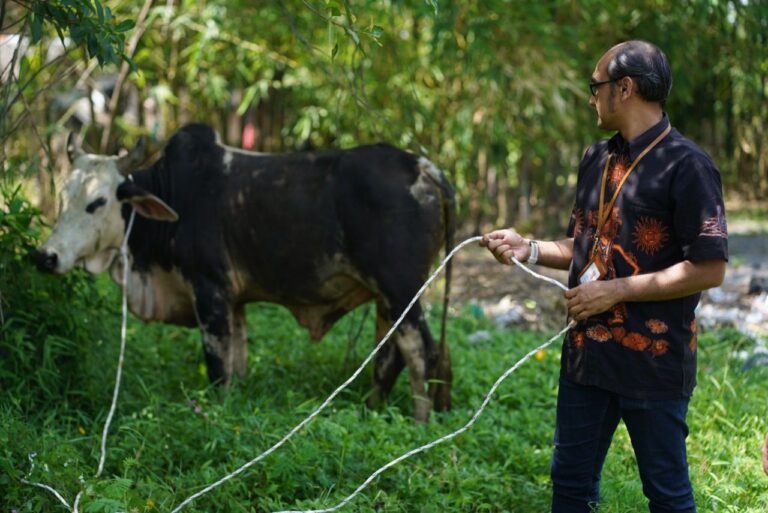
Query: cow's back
{"points": [[277, 226], [391, 207], [290, 222]]}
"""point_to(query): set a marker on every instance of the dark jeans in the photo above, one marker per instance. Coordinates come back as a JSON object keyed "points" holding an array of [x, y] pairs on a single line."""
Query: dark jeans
{"points": [[586, 420]]}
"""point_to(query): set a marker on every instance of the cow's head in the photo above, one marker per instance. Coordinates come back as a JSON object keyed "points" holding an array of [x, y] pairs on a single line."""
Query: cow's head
{"points": [[90, 226]]}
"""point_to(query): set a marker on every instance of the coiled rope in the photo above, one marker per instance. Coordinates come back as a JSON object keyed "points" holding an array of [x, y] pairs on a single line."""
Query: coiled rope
{"points": [[336, 392], [244, 467]]}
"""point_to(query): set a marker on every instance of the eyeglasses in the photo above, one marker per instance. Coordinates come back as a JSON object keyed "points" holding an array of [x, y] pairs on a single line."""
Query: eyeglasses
{"points": [[593, 85]]}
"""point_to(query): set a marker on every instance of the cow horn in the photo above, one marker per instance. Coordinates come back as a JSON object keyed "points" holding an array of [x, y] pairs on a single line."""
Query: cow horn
{"points": [[129, 161], [73, 147]]}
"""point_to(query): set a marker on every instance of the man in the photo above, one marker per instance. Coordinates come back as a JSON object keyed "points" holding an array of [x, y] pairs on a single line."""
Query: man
{"points": [[647, 235]]}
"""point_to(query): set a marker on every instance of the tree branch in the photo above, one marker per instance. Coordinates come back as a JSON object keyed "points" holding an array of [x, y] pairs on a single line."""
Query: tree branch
{"points": [[42, 142], [2, 14], [5, 134]]}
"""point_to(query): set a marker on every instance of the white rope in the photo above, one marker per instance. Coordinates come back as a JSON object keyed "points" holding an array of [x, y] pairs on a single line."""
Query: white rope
{"points": [[303, 423], [77, 501], [336, 392], [444, 438], [537, 275], [188, 500], [477, 414], [52, 490], [123, 327], [31, 458]]}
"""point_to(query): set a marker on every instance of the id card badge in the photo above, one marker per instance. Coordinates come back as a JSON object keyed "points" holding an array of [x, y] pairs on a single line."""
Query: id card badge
{"points": [[593, 272]]}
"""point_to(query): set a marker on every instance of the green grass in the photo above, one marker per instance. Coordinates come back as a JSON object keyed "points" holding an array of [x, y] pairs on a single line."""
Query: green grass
{"points": [[161, 449]]}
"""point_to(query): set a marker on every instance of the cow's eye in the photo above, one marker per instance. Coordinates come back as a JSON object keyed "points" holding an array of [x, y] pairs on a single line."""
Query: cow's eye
{"points": [[93, 205]]}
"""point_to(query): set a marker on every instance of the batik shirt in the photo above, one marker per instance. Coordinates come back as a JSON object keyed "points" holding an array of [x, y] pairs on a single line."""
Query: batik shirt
{"points": [[670, 209]]}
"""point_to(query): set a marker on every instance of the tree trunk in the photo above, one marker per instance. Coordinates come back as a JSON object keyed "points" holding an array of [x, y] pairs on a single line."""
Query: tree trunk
{"points": [[478, 192], [524, 188]]}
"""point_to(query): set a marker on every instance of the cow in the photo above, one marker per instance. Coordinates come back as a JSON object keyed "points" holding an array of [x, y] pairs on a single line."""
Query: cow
{"points": [[318, 232]]}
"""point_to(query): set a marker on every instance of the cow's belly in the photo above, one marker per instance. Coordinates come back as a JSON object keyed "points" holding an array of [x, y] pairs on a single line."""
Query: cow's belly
{"points": [[339, 294], [159, 295], [317, 290]]}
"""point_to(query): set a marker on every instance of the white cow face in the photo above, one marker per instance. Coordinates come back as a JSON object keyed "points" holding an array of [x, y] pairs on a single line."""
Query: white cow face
{"points": [[90, 227]]}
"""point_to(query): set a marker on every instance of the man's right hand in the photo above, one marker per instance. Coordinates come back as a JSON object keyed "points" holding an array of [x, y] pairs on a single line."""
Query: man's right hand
{"points": [[504, 244]]}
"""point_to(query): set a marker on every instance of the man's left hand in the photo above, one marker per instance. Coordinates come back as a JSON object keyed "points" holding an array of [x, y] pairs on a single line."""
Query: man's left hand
{"points": [[592, 298]]}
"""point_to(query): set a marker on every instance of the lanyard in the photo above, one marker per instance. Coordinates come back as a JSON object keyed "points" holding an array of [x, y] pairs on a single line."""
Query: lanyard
{"points": [[604, 211]]}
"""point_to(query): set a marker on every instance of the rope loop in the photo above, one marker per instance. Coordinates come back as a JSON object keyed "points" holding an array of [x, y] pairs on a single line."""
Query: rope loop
{"points": [[336, 392], [124, 255]]}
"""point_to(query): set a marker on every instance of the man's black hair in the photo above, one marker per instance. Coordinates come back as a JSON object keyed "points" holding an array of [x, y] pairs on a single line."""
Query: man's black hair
{"points": [[647, 65]]}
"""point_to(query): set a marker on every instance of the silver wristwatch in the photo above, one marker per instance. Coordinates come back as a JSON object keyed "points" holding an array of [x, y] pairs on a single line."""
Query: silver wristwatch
{"points": [[534, 252]]}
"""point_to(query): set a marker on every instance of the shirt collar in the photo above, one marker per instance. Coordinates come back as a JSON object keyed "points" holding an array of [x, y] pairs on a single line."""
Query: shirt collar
{"points": [[617, 144]]}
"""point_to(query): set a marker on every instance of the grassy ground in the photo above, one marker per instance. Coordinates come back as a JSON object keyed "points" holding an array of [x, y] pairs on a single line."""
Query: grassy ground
{"points": [[173, 434]]}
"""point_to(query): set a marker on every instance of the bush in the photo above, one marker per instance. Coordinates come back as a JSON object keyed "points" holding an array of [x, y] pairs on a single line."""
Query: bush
{"points": [[48, 324]]}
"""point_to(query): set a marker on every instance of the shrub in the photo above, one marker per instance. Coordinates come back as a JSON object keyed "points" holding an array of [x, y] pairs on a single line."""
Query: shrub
{"points": [[48, 324]]}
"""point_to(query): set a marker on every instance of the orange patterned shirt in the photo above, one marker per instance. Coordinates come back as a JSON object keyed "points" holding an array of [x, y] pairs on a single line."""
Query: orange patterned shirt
{"points": [[670, 209]]}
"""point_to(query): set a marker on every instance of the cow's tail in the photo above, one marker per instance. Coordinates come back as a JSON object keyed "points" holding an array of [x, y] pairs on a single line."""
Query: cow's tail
{"points": [[441, 395]]}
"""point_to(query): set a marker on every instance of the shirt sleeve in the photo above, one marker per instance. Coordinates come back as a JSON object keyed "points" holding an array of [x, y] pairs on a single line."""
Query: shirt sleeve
{"points": [[699, 212], [574, 221]]}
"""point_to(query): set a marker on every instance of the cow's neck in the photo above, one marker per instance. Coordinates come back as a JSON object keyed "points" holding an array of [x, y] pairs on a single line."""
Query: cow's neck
{"points": [[156, 294], [150, 241]]}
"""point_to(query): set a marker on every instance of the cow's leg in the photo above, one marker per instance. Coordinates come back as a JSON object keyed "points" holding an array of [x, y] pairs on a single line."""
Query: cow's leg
{"points": [[388, 362], [416, 352], [240, 342], [216, 318], [413, 347]]}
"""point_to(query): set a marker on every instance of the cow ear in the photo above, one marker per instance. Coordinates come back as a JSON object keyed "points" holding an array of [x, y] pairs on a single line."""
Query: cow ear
{"points": [[145, 203]]}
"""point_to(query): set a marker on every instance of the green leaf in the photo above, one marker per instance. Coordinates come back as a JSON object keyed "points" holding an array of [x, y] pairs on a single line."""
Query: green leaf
{"points": [[117, 487], [248, 98], [37, 28], [76, 33], [125, 25], [92, 47], [99, 11]]}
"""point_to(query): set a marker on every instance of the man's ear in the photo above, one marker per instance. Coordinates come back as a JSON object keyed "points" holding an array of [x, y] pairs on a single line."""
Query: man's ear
{"points": [[627, 86], [145, 203]]}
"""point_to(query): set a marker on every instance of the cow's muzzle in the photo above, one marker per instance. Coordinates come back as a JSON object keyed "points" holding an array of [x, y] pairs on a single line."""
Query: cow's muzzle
{"points": [[46, 261]]}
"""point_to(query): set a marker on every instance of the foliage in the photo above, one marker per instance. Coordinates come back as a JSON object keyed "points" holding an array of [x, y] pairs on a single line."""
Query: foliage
{"points": [[47, 345], [493, 91], [34, 66], [89, 24], [173, 434]]}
